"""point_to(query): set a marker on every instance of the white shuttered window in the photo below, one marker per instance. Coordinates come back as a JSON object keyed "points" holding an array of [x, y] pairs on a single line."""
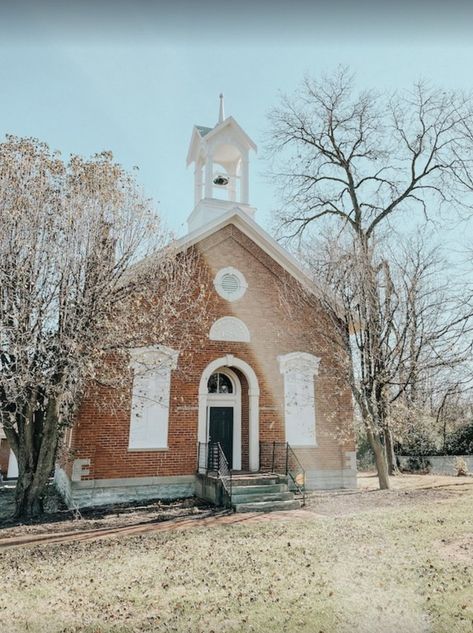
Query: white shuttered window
{"points": [[299, 370], [149, 415]]}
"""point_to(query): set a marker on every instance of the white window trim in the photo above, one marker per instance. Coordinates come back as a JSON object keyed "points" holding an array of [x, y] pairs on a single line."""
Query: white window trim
{"points": [[229, 328], [308, 364], [218, 283], [229, 400], [253, 403], [152, 359]]}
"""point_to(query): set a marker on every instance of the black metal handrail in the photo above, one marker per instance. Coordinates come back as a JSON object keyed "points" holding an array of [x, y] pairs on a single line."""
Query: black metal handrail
{"points": [[280, 458], [295, 471], [224, 473], [211, 458]]}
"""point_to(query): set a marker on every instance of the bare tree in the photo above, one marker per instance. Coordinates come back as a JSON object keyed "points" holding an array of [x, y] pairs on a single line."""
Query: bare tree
{"points": [[360, 158], [398, 330], [351, 163], [72, 298]]}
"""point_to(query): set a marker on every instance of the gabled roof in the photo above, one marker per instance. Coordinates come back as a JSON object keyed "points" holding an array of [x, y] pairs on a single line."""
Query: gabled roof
{"points": [[199, 132], [242, 221], [203, 130], [259, 236]]}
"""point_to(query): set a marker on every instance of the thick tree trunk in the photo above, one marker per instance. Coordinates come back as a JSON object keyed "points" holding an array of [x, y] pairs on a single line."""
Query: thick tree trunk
{"points": [[380, 460], [38, 439], [390, 453], [28, 494]]}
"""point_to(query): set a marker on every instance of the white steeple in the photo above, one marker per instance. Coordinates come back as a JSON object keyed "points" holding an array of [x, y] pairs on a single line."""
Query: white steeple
{"points": [[221, 158]]}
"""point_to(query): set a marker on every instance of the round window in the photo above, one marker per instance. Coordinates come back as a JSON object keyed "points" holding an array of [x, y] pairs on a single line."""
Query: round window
{"points": [[230, 284]]}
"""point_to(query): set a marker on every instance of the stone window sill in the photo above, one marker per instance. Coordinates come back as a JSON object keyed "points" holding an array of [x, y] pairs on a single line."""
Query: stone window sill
{"points": [[149, 449]]}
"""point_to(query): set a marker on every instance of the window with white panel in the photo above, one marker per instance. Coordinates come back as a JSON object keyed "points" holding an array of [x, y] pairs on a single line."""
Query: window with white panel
{"points": [[299, 370], [149, 417]]}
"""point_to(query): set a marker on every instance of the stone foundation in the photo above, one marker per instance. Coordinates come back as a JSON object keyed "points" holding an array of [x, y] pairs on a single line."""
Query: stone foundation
{"points": [[331, 479], [101, 492]]}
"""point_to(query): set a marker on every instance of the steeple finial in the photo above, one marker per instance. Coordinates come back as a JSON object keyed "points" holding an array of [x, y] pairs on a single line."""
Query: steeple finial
{"points": [[221, 111]]}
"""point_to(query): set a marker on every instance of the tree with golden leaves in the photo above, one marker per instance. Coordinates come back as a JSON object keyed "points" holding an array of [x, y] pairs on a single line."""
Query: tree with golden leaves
{"points": [[85, 275]]}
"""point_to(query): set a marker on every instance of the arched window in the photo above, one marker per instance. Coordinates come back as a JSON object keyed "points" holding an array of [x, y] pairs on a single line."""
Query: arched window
{"points": [[219, 383]]}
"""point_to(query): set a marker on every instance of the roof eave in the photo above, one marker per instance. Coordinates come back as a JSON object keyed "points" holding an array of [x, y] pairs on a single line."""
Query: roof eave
{"points": [[250, 228], [231, 121], [192, 153]]}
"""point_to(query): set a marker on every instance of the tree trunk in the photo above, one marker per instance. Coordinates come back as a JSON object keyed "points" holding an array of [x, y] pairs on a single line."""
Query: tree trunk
{"points": [[28, 494], [380, 460], [390, 453], [36, 453], [31, 485]]}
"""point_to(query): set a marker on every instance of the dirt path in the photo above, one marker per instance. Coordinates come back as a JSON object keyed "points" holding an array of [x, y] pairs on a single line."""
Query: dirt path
{"points": [[406, 490], [212, 520]]}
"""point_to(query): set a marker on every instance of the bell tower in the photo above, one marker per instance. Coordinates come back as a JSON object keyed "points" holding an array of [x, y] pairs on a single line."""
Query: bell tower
{"points": [[221, 169]]}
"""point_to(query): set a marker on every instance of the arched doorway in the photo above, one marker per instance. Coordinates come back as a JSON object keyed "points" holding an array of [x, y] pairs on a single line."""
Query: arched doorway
{"points": [[225, 400], [224, 414]]}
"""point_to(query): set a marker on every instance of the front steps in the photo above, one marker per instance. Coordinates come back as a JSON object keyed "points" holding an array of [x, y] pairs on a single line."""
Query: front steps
{"points": [[262, 493]]}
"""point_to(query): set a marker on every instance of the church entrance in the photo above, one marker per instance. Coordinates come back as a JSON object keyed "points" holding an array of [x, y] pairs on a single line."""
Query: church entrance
{"points": [[229, 413], [221, 430], [224, 414]]}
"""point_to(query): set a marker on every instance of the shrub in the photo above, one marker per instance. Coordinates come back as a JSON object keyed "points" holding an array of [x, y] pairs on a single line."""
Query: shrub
{"points": [[460, 442], [460, 467], [418, 442], [418, 465]]}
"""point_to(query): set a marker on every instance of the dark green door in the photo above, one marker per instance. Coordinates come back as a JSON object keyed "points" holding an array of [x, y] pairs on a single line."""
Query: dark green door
{"points": [[221, 429]]}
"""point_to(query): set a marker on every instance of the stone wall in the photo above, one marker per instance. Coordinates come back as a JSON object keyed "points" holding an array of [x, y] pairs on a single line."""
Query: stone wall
{"points": [[103, 492], [435, 464]]}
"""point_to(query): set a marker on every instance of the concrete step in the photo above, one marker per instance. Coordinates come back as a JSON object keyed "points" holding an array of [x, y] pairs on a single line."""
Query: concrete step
{"points": [[257, 480], [267, 506], [256, 490], [271, 496]]}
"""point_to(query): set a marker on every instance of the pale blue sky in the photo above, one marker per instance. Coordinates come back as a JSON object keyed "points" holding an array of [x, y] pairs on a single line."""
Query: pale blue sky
{"points": [[137, 88]]}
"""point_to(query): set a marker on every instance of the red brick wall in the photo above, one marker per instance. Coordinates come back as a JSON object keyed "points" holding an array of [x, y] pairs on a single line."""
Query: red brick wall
{"points": [[101, 431], [4, 456]]}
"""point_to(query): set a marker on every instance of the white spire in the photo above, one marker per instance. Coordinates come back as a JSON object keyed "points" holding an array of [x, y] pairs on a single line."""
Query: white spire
{"points": [[221, 111]]}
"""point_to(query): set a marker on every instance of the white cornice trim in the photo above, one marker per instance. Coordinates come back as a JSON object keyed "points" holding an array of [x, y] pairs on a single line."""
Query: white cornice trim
{"points": [[230, 122], [197, 140], [299, 361], [153, 356]]}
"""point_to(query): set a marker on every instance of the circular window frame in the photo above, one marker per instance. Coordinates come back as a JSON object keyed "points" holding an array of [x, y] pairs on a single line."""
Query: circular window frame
{"points": [[234, 296]]}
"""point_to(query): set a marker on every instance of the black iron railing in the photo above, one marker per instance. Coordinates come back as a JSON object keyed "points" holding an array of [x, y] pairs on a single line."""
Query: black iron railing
{"points": [[295, 472], [211, 458], [224, 474], [280, 458]]}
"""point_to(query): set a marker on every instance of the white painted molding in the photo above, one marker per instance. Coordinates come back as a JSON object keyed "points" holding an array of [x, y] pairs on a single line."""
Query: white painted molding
{"points": [[230, 400], [230, 361], [300, 362], [219, 283], [299, 369], [229, 329], [149, 415], [153, 357]]}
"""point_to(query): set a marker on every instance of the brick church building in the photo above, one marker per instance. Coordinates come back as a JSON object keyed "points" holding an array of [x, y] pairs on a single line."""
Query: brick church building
{"points": [[260, 391]]}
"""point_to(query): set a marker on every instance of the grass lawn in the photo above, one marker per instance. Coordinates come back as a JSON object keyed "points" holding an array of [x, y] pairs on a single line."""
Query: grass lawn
{"points": [[401, 560]]}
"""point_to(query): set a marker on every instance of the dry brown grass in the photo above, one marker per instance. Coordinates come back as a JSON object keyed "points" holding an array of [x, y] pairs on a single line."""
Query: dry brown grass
{"points": [[400, 567]]}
